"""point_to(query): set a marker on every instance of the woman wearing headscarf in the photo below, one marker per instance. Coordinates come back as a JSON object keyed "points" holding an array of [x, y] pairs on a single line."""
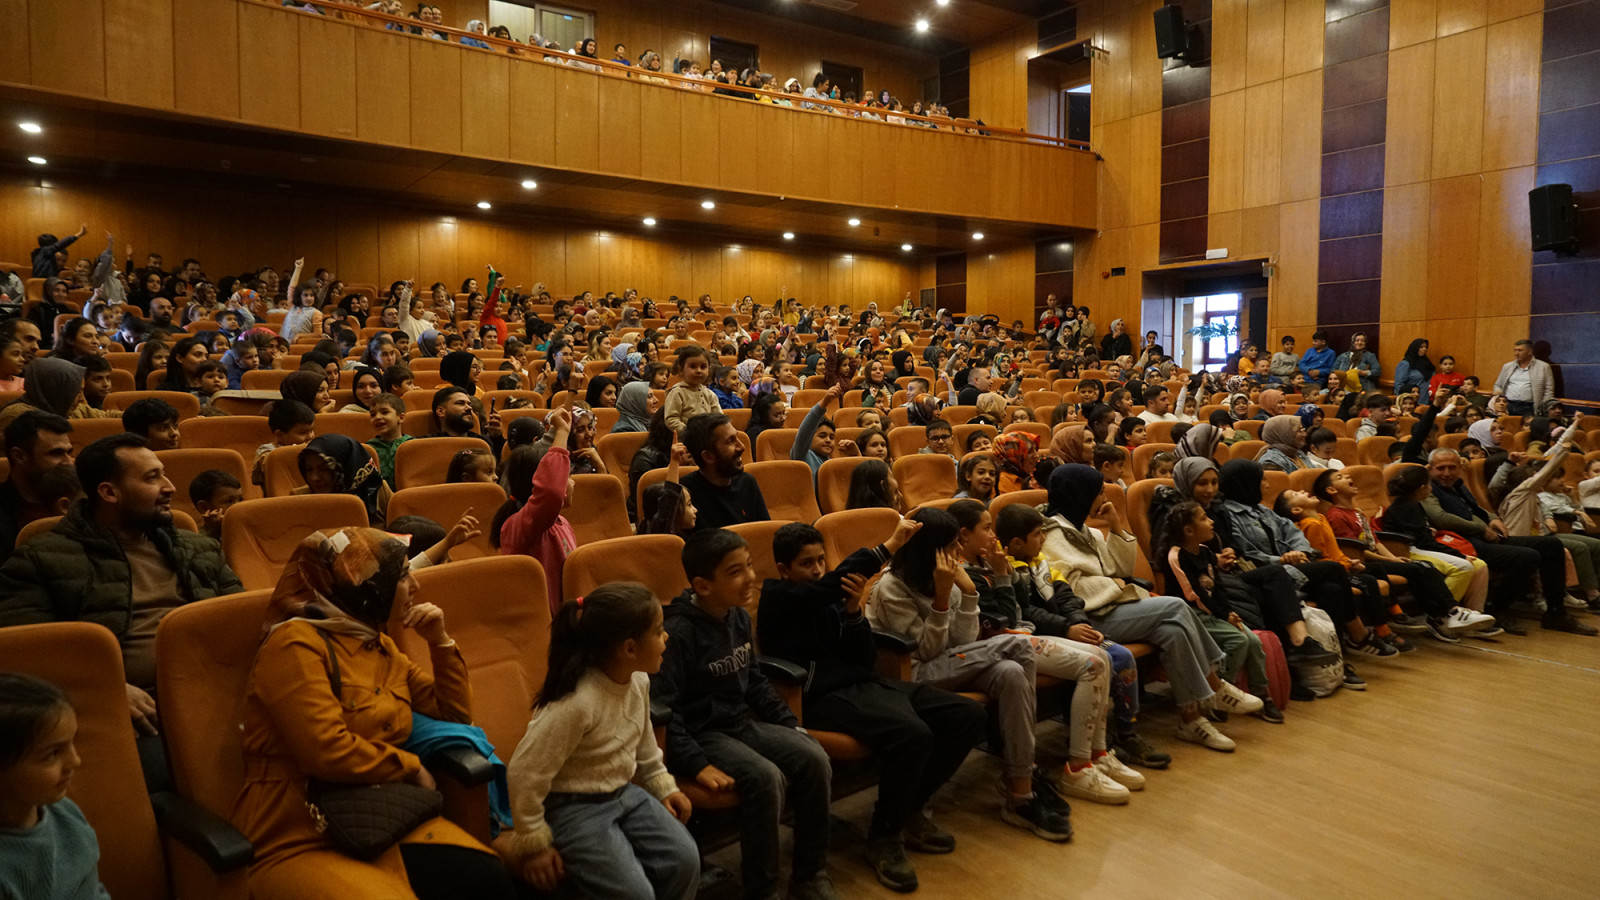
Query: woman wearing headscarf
{"points": [[1016, 453], [1415, 370], [1486, 432], [903, 363], [339, 464], [49, 384], [368, 384], [428, 344], [1311, 415], [457, 368], [1199, 442], [329, 614], [1239, 406], [636, 403], [625, 363], [1116, 342], [1285, 450], [309, 387], [1073, 444], [1099, 568]]}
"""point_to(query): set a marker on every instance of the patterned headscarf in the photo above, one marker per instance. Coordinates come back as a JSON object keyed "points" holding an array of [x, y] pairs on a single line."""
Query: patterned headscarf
{"points": [[1012, 450], [1067, 444], [342, 581], [1199, 441], [354, 470]]}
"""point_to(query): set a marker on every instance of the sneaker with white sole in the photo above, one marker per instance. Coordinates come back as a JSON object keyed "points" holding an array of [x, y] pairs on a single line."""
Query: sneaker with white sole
{"points": [[1462, 620], [1092, 784], [1232, 700], [1206, 735], [1438, 630], [1372, 646], [1130, 778]]}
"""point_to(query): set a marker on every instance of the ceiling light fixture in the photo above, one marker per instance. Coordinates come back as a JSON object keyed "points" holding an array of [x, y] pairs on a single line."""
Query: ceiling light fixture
{"points": [[906, 247], [529, 184], [30, 127], [37, 160], [483, 204], [977, 235], [649, 222], [943, 2], [788, 235], [854, 222], [922, 25], [707, 204]]}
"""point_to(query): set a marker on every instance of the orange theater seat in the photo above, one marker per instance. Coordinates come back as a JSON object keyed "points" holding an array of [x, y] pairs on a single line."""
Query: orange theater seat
{"points": [[1033, 497], [833, 482], [184, 464], [187, 405], [654, 560], [924, 477], [423, 462], [258, 536], [598, 510], [350, 424], [786, 488], [845, 532], [446, 504], [759, 536], [87, 431]]}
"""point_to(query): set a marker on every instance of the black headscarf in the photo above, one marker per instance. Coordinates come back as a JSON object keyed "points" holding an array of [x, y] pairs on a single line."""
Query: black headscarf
{"points": [[1240, 481], [901, 360], [1419, 364], [303, 385], [361, 371], [1073, 490], [353, 469], [456, 369]]}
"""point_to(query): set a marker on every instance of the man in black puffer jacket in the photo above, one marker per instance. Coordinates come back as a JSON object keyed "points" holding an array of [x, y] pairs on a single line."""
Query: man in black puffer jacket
{"points": [[115, 560]]}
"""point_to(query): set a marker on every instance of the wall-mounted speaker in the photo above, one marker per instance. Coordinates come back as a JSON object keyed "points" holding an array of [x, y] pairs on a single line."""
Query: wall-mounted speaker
{"points": [[1172, 33], [1553, 218]]}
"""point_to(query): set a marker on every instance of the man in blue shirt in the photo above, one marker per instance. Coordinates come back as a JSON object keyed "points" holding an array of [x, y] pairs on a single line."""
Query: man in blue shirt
{"points": [[1318, 361]]}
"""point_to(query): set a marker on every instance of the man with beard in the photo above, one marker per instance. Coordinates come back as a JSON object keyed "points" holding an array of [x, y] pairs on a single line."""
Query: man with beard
{"points": [[115, 560], [723, 494], [36, 442], [453, 416], [26, 334], [161, 318]]}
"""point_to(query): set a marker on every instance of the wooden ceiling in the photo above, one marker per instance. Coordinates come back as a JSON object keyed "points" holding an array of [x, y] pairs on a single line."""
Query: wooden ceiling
{"points": [[83, 141], [960, 23]]}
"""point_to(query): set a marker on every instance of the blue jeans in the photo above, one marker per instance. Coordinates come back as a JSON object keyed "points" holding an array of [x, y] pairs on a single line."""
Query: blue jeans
{"points": [[1124, 689], [768, 762], [623, 845]]}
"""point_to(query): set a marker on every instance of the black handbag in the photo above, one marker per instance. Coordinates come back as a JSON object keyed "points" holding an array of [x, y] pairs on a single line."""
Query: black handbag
{"points": [[364, 820]]}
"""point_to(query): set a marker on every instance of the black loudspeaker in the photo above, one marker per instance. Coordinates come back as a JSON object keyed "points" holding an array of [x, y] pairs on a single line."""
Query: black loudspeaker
{"points": [[1553, 218], [1172, 34]]}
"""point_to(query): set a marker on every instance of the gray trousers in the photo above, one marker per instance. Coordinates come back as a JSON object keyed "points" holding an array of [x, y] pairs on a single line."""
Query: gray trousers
{"points": [[1187, 652], [1003, 668]]}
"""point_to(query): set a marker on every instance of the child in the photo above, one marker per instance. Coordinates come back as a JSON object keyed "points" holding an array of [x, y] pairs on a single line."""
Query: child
{"points": [[1131, 433], [539, 482], [690, 397], [47, 849], [1589, 487], [1161, 465], [1467, 577], [213, 379], [96, 380], [1091, 772], [938, 434], [386, 413], [928, 596], [292, 423], [475, 466], [1111, 461], [154, 420], [668, 508], [1323, 443], [920, 734], [1446, 375], [430, 544], [976, 478], [979, 442], [212, 492], [725, 386], [591, 798], [1303, 510], [13, 356], [730, 731], [1048, 603]]}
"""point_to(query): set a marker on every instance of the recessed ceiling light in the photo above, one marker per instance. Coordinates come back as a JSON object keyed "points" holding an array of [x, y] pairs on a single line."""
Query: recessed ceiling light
{"points": [[854, 222], [707, 204], [943, 2], [37, 160], [906, 247], [977, 235], [529, 184], [30, 127], [649, 221], [483, 204], [922, 25], [788, 235]]}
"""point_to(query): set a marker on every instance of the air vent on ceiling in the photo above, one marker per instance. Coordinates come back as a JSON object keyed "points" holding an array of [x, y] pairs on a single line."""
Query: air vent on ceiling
{"points": [[835, 5]]}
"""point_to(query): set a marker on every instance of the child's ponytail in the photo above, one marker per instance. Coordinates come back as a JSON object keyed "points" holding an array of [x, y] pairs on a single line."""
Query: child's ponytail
{"points": [[586, 631]]}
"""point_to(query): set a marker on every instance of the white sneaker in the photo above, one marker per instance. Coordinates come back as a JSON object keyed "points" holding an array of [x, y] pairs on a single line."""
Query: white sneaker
{"points": [[1114, 769], [1091, 783], [1462, 620], [1576, 602], [1202, 732], [1232, 700]]}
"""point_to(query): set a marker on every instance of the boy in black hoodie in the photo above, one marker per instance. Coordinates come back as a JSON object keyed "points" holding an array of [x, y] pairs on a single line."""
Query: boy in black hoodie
{"points": [[919, 733], [730, 731]]}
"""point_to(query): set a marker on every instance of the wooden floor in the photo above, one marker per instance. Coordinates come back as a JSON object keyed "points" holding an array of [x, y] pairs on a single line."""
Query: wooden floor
{"points": [[1462, 772]]}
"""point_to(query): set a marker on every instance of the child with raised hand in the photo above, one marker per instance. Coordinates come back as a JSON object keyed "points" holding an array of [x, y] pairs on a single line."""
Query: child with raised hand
{"points": [[920, 734], [1190, 566], [47, 849], [690, 397], [668, 508], [591, 798], [1091, 772], [539, 484], [730, 731], [928, 596]]}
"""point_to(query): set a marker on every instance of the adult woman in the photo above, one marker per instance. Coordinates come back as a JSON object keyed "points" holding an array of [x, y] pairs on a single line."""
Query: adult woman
{"points": [[1487, 432], [1199, 441], [1415, 370], [872, 486], [1116, 342], [368, 385], [339, 464], [328, 615], [588, 49], [580, 442], [600, 394], [625, 361], [49, 384], [77, 340], [461, 369], [1073, 444], [308, 386], [182, 366], [1017, 453], [1285, 450], [636, 403], [1239, 406]]}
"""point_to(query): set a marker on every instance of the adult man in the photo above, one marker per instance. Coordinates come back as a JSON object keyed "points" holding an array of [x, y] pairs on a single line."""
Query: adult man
{"points": [[1378, 412], [1364, 361], [1271, 403], [453, 416], [1513, 561], [45, 264], [26, 333], [36, 442], [977, 385], [1318, 361], [115, 560], [723, 494], [161, 318], [1525, 382], [1158, 406]]}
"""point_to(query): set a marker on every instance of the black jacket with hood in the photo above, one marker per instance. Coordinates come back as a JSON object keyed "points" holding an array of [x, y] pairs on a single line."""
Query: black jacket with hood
{"points": [[807, 625]]}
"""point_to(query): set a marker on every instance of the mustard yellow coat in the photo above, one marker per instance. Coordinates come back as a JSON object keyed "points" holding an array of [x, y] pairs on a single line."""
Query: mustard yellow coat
{"points": [[294, 728]]}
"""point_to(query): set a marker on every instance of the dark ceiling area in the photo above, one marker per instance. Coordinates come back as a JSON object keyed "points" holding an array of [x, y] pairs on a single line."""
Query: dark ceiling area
{"points": [[961, 23]]}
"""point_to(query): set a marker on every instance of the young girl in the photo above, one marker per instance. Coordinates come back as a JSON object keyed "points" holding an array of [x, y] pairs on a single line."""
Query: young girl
{"points": [[668, 508], [1091, 773], [690, 397], [539, 482], [47, 849], [876, 390], [475, 466], [976, 478], [1589, 488], [1191, 568], [872, 486], [12, 359], [591, 795]]}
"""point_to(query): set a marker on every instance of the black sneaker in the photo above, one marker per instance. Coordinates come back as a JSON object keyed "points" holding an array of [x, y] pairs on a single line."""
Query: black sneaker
{"points": [[1436, 630], [1033, 815], [1269, 712], [1352, 681], [887, 857], [1309, 653], [1299, 693], [922, 836], [1134, 750], [1564, 621], [1399, 643], [1507, 621], [1215, 715], [1408, 624], [1046, 791], [1372, 645]]}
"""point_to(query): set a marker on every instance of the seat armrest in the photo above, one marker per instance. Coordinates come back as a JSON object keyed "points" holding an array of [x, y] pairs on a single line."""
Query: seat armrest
{"points": [[211, 837], [1352, 545], [896, 641], [1392, 536], [660, 713], [781, 670], [462, 765], [1145, 583]]}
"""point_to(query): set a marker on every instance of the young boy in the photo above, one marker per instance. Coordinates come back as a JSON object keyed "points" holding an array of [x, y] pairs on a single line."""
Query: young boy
{"points": [[1110, 460], [1284, 363], [292, 423], [96, 380], [939, 432], [213, 377], [919, 733], [154, 420], [387, 411], [212, 492], [730, 731], [1054, 610]]}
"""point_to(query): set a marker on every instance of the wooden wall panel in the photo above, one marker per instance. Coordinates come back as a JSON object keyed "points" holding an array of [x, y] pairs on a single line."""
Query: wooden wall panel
{"points": [[206, 73], [436, 97], [1263, 143], [1228, 142], [486, 109], [139, 55], [532, 90], [383, 88], [15, 62], [1303, 28], [1511, 101], [1412, 22], [1501, 10], [1504, 257], [1409, 130], [1452, 244], [1458, 100], [576, 126], [1301, 137], [1459, 16], [67, 47], [1229, 46], [1266, 42], [327, 70], [1294, 291], [1406, 221], [1117, 174], [268, 66]]}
